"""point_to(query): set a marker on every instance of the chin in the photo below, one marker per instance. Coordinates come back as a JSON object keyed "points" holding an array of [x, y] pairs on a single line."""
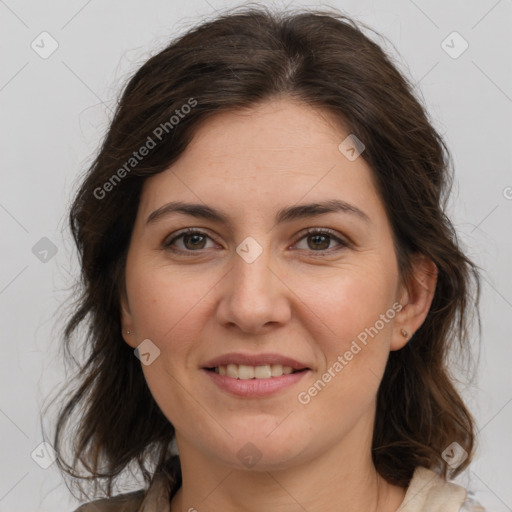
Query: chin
{"points": [[264, 446]]}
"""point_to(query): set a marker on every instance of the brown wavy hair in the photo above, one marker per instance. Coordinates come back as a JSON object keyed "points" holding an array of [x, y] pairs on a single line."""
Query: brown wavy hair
{"points": [[245, 56]]}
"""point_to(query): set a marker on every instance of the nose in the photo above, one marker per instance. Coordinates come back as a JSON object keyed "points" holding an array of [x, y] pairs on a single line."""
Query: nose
{"points": [[253, 296]]}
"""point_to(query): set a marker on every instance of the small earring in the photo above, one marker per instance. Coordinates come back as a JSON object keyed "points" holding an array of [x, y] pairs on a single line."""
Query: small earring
{"points": [[405, 334], [128, 332]]}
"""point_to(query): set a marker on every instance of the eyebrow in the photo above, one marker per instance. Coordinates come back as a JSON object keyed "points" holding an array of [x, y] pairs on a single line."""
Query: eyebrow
{"points": [[287, 214]]}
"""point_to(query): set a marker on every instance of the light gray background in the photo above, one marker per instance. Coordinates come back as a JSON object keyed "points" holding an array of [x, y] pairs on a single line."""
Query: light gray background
{"points": [[55, 111]]}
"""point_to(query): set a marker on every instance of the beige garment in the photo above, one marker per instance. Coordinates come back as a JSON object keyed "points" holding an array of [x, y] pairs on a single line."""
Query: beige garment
{"points": [[427, 492]]}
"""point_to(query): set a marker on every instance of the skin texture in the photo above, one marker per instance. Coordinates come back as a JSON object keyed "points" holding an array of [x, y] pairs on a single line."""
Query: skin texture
{"points": [[290, 301]]}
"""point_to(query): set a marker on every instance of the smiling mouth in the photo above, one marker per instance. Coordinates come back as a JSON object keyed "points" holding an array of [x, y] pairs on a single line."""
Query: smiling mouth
{"points": [[246, 372]]}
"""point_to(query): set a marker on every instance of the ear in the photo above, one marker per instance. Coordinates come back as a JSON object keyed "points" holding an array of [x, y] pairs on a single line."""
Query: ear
{"points": [[127, 321], [416, 298]]}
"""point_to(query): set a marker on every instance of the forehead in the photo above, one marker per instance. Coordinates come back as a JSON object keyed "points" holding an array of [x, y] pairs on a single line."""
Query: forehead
{"points": [[275, 154], [272, 132]]}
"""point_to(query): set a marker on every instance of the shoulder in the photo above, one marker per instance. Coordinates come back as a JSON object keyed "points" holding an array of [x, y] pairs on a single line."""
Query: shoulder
{"points": [[471, 505], [157, 497], [427, 491], [128, 502]]}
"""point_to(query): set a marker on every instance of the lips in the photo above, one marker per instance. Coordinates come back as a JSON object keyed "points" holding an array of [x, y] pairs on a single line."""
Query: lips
{"points": [[254, 360], [254, 375]]}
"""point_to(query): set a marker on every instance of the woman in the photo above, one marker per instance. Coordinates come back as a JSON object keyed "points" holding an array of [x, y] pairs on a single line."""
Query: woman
{"points": [[270, 283]]}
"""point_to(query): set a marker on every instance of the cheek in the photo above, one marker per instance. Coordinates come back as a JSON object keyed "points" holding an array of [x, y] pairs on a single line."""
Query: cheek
{"points": [[352, 297], [165, 309], [354, 335], [164, 301]]}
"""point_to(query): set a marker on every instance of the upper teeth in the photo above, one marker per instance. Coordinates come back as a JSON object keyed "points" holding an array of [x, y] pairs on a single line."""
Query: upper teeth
{"points": [[244, 372]]}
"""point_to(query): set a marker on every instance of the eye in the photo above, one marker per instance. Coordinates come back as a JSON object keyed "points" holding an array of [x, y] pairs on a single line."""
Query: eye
{"points": [[321, 239], [193, 240]]}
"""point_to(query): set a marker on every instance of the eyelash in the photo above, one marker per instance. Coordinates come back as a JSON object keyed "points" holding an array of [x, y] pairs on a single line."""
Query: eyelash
{"points": [[309, 232]]}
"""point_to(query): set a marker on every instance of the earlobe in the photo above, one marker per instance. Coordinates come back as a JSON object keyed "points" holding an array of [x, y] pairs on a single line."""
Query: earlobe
{"points": [[418, 299]]}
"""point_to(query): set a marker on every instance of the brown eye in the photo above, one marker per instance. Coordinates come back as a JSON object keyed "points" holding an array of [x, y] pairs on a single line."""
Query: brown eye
{"points": [[192, 240], [196, 241], [319, 240]]}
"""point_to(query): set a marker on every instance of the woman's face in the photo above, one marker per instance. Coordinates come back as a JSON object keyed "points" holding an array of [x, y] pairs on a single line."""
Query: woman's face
{"points": [[254, 288]]}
